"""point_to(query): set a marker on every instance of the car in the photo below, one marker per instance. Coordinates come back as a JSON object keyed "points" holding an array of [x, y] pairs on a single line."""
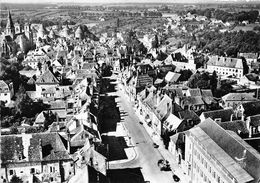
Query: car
{"points": [[155, 145], [175, 178], [160, 161], [141, 122]]}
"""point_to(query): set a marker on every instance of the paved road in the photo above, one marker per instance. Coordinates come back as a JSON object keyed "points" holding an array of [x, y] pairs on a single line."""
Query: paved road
{"points": [[147, 155]]}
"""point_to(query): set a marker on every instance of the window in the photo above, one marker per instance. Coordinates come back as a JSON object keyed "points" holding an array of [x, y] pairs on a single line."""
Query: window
{"points": [[206, 164], [51, 179], [214, 174], [32, 170], [50, 169], [201, 173], [11, 172], [205, 178], [218, 179], [209, 169]]}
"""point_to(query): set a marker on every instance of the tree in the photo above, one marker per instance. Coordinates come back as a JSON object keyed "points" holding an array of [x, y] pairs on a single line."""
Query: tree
{"points": [[185, 75], [50, 117], [39, 65], [155, 43], [214, 82], [14, 130], [16, 179]]}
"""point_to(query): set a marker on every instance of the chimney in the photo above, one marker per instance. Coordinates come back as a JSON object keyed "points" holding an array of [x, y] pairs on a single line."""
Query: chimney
{"points": [[249, 128], [68, 141], [231, 117], [40, 148]]}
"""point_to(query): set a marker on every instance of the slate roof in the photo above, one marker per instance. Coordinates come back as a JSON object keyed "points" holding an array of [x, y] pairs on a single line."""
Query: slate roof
{"points": [[224, 61], [143, 80], [255, 120], [251, 108], [188, 114], [47, 78], [223, 139], [224, 114], [41, 147], [235, 126]]}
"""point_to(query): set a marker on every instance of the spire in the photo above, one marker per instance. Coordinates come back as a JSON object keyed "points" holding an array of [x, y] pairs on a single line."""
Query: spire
{"points": [[9, 23], [10, 30]]}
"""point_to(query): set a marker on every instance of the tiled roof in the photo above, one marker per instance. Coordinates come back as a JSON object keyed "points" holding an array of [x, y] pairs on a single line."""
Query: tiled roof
{"points": [[161, 109], [193, 100], [58, 104], [206, 93], [251, 108], [223, 139], [194, 92], [172, 76], [47, 78], [224, 114], [225, 62], [216, 150], [238, 97], [32, 147], [4, 87]]}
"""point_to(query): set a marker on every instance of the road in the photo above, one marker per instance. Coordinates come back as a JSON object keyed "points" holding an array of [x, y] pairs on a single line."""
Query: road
{"points": [[147, 155]]}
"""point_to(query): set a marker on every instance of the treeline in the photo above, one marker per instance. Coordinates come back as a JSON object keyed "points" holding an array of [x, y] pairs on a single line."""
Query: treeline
{"points": [[228, 43], [225, 16]]}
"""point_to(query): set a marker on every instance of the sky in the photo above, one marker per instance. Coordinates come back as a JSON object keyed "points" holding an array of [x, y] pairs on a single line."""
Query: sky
{"points": [[117, 1]]}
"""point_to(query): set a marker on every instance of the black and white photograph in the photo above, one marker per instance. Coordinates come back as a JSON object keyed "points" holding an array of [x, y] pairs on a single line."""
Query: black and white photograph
{"points": [[130, 91]]}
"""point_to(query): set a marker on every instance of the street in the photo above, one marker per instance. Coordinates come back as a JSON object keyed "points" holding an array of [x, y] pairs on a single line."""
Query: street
{"points": [[147, 156]]}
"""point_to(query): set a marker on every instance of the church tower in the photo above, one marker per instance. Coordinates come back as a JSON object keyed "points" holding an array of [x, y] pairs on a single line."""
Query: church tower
{"points": [[10, 30], [28, 33]]}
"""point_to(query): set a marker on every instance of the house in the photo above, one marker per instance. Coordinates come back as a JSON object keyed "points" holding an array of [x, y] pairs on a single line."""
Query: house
{"points": [[250, 57], [250, 80], [209, 157], [192, 103], [180, 61], [223, 115], [232, 100], [226, 66], [6, 92], [172, 77], [161, 112], [46, 80], [253, 125], [237, 126], [43, 156], [138, 83]]}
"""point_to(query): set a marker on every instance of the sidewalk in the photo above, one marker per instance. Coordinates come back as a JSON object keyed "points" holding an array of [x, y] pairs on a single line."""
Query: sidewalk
{"points": [[167, 155], [130, 151]]}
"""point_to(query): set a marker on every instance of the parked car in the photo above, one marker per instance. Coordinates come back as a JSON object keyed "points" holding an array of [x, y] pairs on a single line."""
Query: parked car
{"points": [[175, 178], [155, 145], [164, 165]]}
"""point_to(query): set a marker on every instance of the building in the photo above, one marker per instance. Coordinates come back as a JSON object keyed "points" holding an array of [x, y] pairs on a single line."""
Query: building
{"points": [[14, 39], [45, 81], [210, 157], [42, 157], [6, 92], [232, 100], [225, 66]]}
